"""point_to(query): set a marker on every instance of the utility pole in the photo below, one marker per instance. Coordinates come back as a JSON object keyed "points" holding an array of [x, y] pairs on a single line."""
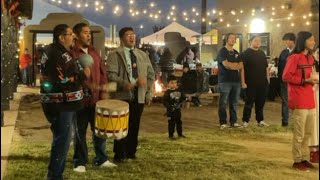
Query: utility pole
{"points": [[204, 17]]}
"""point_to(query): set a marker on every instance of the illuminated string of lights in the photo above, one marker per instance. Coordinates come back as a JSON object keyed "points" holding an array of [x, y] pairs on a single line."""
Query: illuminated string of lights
{"points": [[214, 16]]}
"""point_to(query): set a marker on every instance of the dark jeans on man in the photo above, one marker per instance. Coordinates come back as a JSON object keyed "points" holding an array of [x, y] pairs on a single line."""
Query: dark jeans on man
{"points": [[284, 107], [229, 93], [61, 125], [86, 116], [174, 120], [257, 96], [127, 147]]}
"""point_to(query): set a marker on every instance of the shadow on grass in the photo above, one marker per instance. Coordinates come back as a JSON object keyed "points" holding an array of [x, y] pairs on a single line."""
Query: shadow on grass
{"points": [[25, 158]]}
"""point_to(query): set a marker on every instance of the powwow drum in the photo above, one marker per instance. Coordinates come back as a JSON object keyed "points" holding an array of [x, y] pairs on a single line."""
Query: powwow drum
{"points": [[111, 119]]}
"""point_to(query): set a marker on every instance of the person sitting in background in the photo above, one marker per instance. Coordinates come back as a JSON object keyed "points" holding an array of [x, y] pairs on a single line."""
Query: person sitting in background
{"points": [[189, 83], [188, 56]]}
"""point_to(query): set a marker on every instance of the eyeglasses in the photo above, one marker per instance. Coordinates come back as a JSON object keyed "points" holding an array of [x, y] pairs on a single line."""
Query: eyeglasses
{"points": [[68, 34], [131, 35]]}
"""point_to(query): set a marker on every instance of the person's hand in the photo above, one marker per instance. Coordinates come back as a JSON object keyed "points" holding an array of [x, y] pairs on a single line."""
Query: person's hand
{"points": [[244, 86], [148, 102], [315, 78], [141, 81], [129, 86]]}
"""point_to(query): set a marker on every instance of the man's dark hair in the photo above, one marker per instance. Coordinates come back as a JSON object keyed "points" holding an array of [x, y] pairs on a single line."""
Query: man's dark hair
{"points": [[171, 78], [78, 28], [124, 30], [301, 41], [226, 37], [289, 36], [198, 64], [59, 30]]}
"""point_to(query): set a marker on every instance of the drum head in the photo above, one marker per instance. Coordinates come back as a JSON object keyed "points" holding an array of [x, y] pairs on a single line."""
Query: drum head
{"points": [[112, 104]]}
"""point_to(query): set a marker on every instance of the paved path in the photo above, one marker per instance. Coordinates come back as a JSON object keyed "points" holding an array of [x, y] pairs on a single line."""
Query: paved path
{"points": [[10, 117]]}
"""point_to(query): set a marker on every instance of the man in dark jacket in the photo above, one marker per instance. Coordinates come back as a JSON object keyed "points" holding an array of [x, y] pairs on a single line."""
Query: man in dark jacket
{"points": [[289, 40], [61, 95]]}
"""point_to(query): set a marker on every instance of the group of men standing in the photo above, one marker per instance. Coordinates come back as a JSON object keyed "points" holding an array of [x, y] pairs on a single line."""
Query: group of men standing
{"points": [[249, 71], [70, 91]]}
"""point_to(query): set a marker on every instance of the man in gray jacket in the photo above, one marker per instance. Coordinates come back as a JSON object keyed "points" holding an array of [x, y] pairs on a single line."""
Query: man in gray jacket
{"points": [[131, 69]]}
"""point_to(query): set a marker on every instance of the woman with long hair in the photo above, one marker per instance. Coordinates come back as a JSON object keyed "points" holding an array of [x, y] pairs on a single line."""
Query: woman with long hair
{"points": [[298, 75]]}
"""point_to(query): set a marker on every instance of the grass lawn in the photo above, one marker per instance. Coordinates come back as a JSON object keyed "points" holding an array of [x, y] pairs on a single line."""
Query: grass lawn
{"points": [[251, 153]]}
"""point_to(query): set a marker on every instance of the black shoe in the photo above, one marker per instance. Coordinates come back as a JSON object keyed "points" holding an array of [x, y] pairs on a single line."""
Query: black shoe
{"points": [[171, 138], [284, 124], [182, 136], [118, 159], [132, 156]]}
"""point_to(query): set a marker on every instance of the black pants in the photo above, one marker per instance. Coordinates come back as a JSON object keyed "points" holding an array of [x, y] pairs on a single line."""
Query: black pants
{"points": [[257, 96], [174, 120], [127, 147]]}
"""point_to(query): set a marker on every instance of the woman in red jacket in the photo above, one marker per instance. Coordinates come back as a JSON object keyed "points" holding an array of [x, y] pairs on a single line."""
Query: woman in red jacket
{"points": [[298, 75]]}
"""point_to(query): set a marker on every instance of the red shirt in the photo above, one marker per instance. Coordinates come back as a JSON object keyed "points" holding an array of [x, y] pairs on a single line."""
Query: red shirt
{"points": [[25, 60], [98, 74], [300, 96]]}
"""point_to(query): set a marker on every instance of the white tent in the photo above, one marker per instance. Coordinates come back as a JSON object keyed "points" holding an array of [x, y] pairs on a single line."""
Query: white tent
{"points": [[158, 37]]}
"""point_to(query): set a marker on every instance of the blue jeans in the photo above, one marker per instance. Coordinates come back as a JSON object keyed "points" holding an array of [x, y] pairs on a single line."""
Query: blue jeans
{"points": [[61, 125], [86, 116], [229, 93], [284, 97], [25, 75]]}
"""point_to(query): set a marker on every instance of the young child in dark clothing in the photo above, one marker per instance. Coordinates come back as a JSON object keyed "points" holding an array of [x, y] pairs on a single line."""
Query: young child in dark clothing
{"points": [[172, 100]]}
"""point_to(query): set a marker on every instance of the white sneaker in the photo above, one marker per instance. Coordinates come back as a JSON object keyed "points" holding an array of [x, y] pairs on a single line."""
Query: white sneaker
{"points": [[223, 126], [236, 125], [108, 164], [263, 124], [245, 124], [80, 169]]}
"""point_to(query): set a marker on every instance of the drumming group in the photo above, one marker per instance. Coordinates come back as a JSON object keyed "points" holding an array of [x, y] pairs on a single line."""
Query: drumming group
{"points": [[74, 95]]}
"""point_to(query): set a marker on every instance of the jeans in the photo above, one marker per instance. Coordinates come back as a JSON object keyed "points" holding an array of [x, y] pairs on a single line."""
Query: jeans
{"points": [[257, 96], [229, 93], [284, 108], [61, 125], [25, 75], [86, 116]]}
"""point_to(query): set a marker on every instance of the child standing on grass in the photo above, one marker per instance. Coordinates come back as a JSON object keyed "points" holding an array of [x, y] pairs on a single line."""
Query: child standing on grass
{"points": [[172, 100]]}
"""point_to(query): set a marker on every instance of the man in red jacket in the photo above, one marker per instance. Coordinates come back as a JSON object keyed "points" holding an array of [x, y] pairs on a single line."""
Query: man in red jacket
{"points": [[25, 63], [93, 94], [298, 75]]}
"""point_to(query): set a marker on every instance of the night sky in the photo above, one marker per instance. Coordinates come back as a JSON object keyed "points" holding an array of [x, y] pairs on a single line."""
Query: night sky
{"points": [[123, 17]]}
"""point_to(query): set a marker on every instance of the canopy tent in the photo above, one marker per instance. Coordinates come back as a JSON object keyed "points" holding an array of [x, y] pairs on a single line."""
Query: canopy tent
{"points": [[211, 37], [158, 37]]}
